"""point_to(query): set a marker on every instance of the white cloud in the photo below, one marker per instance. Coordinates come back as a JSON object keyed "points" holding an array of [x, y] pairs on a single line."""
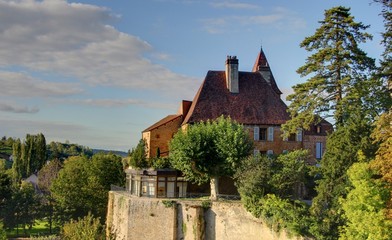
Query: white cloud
{"points": [[22, 85], [233, 5], [14, 108], [76, 40], [110, 103], [280, 18]]}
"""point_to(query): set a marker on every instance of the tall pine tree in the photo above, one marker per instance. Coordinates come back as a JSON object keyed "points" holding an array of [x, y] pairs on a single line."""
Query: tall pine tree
{"points": [[342, 87], [338, 70]]}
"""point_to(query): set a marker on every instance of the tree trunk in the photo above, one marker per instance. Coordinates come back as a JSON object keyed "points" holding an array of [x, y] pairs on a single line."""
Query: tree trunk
{"points": [[214, 183]]}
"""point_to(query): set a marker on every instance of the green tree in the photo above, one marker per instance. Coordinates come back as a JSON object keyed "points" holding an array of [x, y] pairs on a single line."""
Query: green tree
{"points": [[46, 176], [17, 166], [40, 152], [385, 70], [268, 188], [70, 191], [208, 150], [341, 85], [24, 207], [82, 185], [87, 228], [365, 205], [138, 158], [105, 170], [339, 73], [3, 234], [5, 188]]}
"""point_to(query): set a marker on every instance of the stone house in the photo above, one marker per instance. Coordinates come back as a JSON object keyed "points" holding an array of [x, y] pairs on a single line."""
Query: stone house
{"points": [[250, 98]]}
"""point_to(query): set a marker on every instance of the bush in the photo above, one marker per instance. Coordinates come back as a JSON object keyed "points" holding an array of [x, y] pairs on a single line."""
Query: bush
{"points": [[87, 228]]}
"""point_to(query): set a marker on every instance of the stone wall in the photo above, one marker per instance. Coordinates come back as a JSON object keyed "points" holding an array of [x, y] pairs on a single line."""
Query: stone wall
{"points": [[137, 218], [160, 137]]}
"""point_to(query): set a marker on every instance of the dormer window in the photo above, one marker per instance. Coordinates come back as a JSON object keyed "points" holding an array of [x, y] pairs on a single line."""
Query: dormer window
{"points": [[318, 129]]}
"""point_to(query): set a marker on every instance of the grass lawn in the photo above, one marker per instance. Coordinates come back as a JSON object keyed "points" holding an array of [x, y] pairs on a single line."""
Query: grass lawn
{"points": [[40, 228]]}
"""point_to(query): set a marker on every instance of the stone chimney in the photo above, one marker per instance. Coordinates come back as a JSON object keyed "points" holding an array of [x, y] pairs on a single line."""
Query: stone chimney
{"points": [[232, 74]]}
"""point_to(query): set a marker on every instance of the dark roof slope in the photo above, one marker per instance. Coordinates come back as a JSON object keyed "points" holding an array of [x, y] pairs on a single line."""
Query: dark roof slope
{"points": [[162, 121], [256, 102]]}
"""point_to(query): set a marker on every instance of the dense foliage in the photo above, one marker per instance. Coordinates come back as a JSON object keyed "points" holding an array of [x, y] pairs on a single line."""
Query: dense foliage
{"points": [[365, 205], [271, 186], [137, 156], [208, 150], [82, 185], [29, 156], [62, 151], [87, 228]]}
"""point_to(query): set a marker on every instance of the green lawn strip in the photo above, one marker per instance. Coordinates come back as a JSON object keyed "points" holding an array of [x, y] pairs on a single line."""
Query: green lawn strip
{"points": [[40, 228]]}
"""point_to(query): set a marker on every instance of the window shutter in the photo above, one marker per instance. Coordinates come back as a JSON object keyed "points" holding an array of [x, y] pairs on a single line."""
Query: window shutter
{"points": [[270, 134], [299, 135], [319, 150], [256, 131]]}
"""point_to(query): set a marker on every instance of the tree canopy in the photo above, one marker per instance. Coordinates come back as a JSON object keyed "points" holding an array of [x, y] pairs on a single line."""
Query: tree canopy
{"points": [[340, 74], [365, 206], [82, 185], [208, 150]]}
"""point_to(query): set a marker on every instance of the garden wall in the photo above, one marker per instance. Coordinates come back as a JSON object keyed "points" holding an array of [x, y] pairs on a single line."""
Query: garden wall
{"points": [[137, 218]]}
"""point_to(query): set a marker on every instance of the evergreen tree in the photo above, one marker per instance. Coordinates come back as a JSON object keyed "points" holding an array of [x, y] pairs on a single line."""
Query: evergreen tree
{"points": [[339, 73], [342, 86], [386, 62], [17, 166], [40, 153], [138, 158]]}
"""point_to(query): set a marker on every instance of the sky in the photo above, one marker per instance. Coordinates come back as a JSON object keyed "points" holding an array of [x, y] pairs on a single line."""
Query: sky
{"points": [[99, 72]]}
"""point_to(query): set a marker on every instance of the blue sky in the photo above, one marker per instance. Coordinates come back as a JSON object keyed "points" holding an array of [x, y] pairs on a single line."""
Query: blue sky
{"points": [[99, 72]]}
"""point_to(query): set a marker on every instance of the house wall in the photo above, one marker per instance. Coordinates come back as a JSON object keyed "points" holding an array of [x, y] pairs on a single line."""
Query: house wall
{"points": [[278, 145], [149, 218], [310, 144], [160, 137]]}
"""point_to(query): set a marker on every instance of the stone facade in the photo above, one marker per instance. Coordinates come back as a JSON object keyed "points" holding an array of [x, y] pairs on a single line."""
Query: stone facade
{"points": [[148, 218], [160, 137]]}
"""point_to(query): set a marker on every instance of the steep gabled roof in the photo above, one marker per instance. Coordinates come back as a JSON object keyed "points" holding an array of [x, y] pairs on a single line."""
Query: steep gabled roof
{"points": [[262, 65], [256, 102], [162, 122]]}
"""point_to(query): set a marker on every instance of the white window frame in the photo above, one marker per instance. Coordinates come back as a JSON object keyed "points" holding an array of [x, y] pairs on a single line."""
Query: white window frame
{"points": [[299, 135], [319, 150], [270, 136], [256, 131]]}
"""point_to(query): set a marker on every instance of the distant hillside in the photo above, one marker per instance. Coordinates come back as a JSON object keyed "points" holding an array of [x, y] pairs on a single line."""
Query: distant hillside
{"points": [[120, 153]]}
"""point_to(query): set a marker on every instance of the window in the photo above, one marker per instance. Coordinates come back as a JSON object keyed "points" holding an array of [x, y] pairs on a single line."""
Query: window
{"points": [[299, 135], [270, 134], [292, 137], [270, 152], [318, 129], [319, 150], [263, 134], [260, 134], [285, 151], [256, 131]]}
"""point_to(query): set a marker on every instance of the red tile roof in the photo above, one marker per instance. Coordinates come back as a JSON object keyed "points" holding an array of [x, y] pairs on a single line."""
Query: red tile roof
{"points": [[162, 122], [261, 64], [256, 102]]}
